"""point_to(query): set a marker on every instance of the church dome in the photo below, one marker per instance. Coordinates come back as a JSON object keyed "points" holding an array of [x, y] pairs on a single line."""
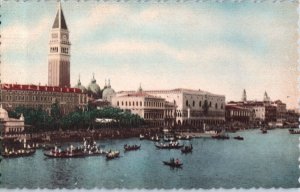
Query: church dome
{"points": [[108, 92], [3, 113], [94, 89], [80, 86]]}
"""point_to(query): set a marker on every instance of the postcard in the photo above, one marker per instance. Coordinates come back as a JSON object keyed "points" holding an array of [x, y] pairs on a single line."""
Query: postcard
{"points": [[149, 94]]}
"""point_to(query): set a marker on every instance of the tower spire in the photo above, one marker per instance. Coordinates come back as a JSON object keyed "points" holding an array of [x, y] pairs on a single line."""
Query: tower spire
{"points": [[244, 96]]}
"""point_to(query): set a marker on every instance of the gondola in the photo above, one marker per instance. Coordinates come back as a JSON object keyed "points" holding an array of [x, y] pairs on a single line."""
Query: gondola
{"points": [[112, 155], [293, 131], [238, 138], [131, 147], [142, 137], [168, 146], [173, 164], [18, 153], [187, 149], [184, 137], [264, 131], [64, 154], [220, 137]]}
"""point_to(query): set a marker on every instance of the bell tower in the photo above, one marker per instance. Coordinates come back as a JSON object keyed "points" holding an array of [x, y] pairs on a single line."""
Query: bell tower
{"points": [[59, 52]]}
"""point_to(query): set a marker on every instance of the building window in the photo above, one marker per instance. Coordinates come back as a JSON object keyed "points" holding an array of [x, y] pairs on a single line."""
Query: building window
{"points": [[200, 104], [129, 103], [117, 103], [193, 103], [137, 103], [210, 104], [187, 103], [216, 106], [126, 103], [141, 104]]}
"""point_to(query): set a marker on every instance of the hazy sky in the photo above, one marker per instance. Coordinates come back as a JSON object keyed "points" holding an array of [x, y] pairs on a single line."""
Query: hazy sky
{"points": [[218, 47]]}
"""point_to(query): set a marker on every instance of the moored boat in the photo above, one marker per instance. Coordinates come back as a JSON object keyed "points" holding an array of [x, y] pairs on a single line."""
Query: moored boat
{"points": [[18, 153], [264, 131], [181, 137]]}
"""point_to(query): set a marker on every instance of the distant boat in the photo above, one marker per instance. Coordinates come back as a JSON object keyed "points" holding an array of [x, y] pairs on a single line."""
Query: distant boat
{"points": [[264, 131], [112, 155], [173, 163], [238, 138], [131, 147], [187, 149], [18, 153], [293, 131], [172, 145]]}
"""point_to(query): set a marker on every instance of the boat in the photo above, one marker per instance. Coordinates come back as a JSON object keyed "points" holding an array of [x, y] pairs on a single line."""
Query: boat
{"points": [[173, 163], [70, 152], [293, 131], [187, 149], [131, 147], [238, 137], [181, 137], [153, 138], [264, 131], [18, 153], [218, 136], [171, 145], [112, 155], [142, 137]]}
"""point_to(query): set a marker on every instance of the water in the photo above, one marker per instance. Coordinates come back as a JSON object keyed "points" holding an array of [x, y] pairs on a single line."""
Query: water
{"points": [[261, 160]]}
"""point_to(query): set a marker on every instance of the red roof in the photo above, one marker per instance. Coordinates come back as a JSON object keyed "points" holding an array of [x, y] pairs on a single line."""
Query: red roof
{"points": [[40, 88]]}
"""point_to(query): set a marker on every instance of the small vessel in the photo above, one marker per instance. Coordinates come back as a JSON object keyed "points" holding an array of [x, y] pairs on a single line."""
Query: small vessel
{"points": [[69, 153], [293, 131], [218, 136], [187, 137], [142, 137], [112, 155], [131, 147], [238, 137], [154, 138], [264, 131], [171, 145], [17, 153], [187, 149], [173, 163]]}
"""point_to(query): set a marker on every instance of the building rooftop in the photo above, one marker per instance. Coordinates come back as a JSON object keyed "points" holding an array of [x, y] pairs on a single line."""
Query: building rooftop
{"points": [[39, 88]]}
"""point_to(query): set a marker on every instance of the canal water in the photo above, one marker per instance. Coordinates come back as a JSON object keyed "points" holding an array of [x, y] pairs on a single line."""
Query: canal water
{"points": [[261, 160]]}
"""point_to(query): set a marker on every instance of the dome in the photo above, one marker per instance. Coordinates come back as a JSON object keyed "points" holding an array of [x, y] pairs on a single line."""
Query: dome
{"points": [[108, 92], [3, 113], [93, 88], [81, 87]]}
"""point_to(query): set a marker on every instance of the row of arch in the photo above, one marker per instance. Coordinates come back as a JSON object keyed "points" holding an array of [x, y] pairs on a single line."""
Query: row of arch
{"points": [[201, 104]]}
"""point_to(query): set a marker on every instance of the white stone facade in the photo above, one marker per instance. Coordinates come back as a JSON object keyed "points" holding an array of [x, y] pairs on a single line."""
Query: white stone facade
{"points": [[189, 105]]}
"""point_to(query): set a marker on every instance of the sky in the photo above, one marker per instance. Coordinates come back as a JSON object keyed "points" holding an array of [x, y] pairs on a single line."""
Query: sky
{"points": [[222, 48]]}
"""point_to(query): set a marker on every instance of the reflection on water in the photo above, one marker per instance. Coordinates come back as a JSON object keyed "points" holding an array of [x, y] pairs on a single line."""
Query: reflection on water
{"points": [[261, 160]]}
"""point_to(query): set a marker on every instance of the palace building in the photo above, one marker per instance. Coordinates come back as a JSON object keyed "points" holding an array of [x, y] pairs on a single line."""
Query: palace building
{"points": [[154, 110], [193, 107]]}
